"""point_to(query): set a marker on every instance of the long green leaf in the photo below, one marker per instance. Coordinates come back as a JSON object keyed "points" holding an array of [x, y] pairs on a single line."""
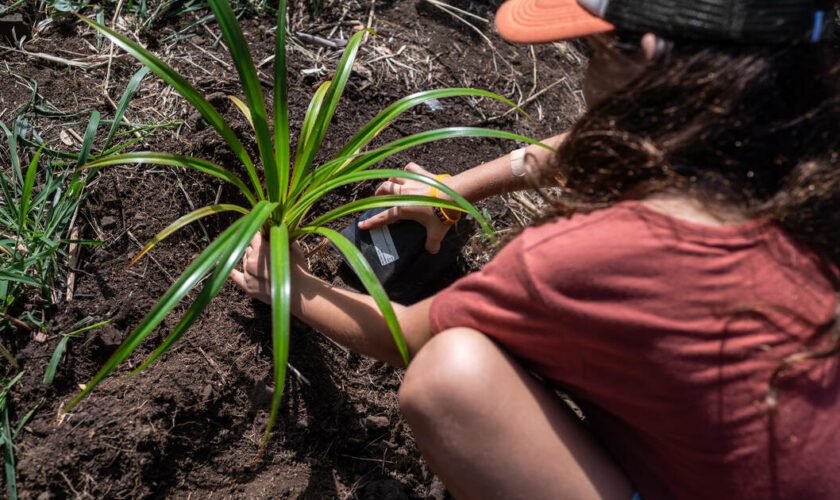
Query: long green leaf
{"points": [[175, 161], [389, 114], [11, 137], [312, 112], [190, 278], [184, 221], [281, 111], [9, 455], [230, 257], [402, 200], [281, 297], [319, 130], [311, 197], [7, 435], [10, 212], [244, 63], [306, 130], [52, 367], [243, 108], [128, 94], [90, 136], [55, 359], [207, 111], [19, 278], [365, 160], [27, 417], [363, 270], [28, 185]]}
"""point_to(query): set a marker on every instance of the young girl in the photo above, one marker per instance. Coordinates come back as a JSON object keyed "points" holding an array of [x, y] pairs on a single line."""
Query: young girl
{"points": [[686, 300]]}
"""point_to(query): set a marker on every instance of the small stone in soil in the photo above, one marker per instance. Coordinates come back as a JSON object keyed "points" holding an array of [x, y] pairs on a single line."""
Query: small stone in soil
{"points": [[109, 338], [108, 221], [376, 422]]}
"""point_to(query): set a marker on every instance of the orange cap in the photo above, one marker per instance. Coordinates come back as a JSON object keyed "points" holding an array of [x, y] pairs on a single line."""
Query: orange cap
{"points": [[539, 21]]}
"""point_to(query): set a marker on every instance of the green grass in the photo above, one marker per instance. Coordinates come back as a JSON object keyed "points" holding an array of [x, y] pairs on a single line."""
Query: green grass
{"points": [[34, 220], [41, 195], [281, 192], [8, 433], [77, 330]]}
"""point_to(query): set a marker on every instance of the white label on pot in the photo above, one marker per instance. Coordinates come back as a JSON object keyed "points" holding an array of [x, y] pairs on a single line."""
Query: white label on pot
{"points": [[384, 245]]}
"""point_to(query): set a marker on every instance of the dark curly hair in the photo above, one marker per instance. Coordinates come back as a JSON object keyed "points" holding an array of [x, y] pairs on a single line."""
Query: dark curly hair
{"points": [[757, 127]]}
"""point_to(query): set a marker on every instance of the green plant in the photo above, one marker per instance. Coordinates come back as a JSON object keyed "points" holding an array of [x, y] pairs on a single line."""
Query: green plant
{"points": [[8, 433], [77, 330], [35, 218], [40, 202], [293, 186]]}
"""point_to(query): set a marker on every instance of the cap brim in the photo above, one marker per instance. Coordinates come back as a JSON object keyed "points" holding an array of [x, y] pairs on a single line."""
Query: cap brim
{"points": [[540, 21]]}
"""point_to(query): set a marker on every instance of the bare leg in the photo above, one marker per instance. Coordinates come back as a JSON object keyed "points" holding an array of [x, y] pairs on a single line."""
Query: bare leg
{"points": [[490, 430]]}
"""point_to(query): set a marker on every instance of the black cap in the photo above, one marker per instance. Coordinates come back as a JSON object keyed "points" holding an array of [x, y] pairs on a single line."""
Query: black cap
{"points": [[742, 21]]}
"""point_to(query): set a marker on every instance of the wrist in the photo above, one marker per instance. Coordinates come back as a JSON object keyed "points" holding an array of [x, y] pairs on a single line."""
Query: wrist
{"points": [[301, 285], [457, 183], [300, 277], [444, 215]]}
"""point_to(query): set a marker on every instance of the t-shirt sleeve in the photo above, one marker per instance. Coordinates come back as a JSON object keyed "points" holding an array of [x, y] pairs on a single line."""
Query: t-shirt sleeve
{"points": [[534, 297], [500, 300]]}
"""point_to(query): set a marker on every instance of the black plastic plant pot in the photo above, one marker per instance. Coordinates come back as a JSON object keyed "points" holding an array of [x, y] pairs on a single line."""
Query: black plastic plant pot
{"points": [[397, 253]]}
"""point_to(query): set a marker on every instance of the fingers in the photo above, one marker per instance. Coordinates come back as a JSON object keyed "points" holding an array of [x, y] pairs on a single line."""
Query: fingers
{"points": [[417, 169], [253, 279], [255, 245], [389, 216], [389, 187], [434, 237], [238, 277], [399, 186], [432, 245], [256, 255]]}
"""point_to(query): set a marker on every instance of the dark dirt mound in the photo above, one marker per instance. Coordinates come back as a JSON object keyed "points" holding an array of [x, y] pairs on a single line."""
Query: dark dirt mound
{"points": [[191, 424]]}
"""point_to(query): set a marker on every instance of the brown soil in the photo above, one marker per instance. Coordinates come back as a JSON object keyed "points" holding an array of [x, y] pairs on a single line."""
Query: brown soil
{"points": [[190, 425]]}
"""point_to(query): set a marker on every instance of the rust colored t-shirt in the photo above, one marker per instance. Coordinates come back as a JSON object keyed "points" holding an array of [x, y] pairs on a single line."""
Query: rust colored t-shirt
{"points": [[666, 333]]}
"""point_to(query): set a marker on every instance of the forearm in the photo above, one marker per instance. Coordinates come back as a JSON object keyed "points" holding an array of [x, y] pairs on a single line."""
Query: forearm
{"points": [[495, 177], [354, 321]]}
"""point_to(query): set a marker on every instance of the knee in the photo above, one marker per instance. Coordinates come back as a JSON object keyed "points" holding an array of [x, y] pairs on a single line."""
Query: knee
{"points": [[446, 374]]}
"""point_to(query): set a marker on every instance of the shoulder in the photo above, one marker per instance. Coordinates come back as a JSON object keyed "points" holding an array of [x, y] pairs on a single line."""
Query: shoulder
{"points": [[593, 225], [594, 253], [615, 231]]}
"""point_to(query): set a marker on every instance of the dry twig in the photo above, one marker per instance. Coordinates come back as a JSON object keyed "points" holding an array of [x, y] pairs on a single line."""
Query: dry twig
{"points": [[111, 50]]}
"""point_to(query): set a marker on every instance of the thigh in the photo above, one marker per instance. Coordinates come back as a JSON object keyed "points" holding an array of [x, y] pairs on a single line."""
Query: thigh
{"points": [[491, 430]]}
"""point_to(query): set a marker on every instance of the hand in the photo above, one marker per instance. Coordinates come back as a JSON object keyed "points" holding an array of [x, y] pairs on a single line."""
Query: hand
{"points": [[255, 277], [435, 229]]}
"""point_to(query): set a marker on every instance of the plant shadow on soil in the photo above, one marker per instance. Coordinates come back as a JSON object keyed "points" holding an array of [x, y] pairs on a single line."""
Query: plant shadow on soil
{"points": [[190, 425]]}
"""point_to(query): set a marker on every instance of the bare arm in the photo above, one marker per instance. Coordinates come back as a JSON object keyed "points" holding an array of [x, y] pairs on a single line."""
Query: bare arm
{"points": [[351, 319], [485, 180], [495, 177]]}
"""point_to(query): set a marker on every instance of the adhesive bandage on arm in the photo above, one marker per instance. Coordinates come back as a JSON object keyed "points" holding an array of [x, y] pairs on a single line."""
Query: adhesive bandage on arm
{"points": [[517, 162]]}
